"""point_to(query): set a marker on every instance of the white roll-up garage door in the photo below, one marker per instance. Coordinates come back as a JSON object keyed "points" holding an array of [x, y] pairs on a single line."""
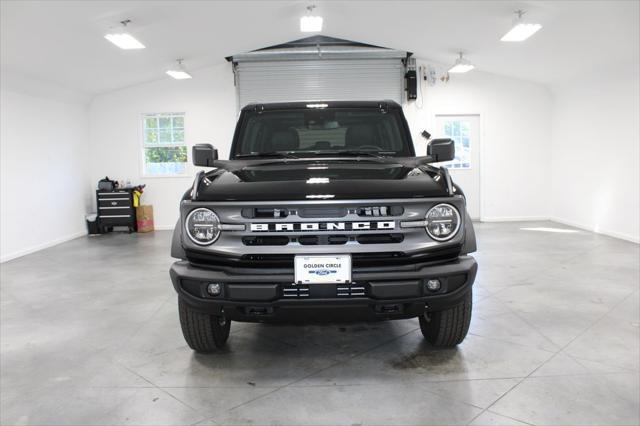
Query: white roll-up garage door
{"points": [[319, 79]]}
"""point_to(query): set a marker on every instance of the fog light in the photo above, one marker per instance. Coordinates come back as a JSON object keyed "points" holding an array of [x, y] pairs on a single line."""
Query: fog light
{"points": [[214, 289], [433, 285]]}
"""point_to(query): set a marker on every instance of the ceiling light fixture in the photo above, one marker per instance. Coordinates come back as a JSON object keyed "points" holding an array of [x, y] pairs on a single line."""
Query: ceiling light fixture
{"points": [[179, 73], [123, 39], [461, 65], [310, 23], [521, 30]]}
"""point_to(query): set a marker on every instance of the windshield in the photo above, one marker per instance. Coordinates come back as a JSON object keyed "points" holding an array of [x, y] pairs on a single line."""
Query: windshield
{"points": [[322, 132]]}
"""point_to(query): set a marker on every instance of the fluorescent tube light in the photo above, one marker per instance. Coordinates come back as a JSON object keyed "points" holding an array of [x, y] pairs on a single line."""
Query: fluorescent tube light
{"points": [[123, 39], [461, 65], [310, 23], [180, 73], [521, 30], [461, 68]]}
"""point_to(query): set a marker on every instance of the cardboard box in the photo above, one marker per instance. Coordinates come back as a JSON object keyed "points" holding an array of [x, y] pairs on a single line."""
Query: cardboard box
{"points": [[144, 218]]}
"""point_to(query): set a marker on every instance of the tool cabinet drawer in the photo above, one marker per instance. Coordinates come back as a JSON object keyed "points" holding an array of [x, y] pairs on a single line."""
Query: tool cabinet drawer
{"points": [[116, 219], [115, 211], [114, 202]]}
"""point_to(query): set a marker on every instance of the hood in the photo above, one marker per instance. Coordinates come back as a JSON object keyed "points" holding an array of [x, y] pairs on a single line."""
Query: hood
{"points": [[287, 180]]}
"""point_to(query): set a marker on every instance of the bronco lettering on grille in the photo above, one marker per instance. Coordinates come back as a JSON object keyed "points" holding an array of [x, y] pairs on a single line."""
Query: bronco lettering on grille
{"points": [[322, 226]]}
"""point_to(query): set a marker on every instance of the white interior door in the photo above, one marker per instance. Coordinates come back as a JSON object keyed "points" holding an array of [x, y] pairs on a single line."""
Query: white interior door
{"points": [[465, 168]]}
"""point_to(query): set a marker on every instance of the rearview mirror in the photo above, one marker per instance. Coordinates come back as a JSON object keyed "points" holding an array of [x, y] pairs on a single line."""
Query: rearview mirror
{"points": [[204, 154], [441, 150]]}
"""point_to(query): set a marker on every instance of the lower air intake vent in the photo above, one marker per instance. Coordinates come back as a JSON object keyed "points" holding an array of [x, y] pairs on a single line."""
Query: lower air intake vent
{"points": [[297, 291], [350, 291]]}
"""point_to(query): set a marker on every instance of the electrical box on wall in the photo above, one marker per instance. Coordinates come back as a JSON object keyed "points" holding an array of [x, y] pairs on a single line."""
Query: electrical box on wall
{"points": [[411, 80], [412, 84]]}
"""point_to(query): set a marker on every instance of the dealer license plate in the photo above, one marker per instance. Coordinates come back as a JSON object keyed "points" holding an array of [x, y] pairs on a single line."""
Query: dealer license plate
{"points": [[323, 269]]}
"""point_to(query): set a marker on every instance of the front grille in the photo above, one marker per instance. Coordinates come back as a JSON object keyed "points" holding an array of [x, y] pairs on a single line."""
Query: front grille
{"points": [[265, 241], [267, 263], [259, 235], [322, 240], [266, 212], [380, 211], [380, 239]]}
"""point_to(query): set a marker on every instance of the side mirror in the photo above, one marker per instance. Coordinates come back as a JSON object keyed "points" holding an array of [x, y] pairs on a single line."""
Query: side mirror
{"points": [[204, 154], [441, 150]]}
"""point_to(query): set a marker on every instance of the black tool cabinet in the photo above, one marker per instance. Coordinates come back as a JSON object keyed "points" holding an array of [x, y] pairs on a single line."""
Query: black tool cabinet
{"points": [[115, 208]]}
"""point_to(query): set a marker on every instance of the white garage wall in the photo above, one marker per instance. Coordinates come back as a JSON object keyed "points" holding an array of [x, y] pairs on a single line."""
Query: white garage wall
{"points": [[209, 102], [515, 137], [596, 152], [43, 172], [515, 121]]}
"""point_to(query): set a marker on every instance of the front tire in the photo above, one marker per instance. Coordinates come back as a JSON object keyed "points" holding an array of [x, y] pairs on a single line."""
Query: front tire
{"points": [[447, 328], [204, 333]]}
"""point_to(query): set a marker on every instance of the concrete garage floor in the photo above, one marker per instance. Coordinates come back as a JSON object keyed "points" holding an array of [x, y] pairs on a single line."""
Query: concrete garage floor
{"points": [[90, 335]]}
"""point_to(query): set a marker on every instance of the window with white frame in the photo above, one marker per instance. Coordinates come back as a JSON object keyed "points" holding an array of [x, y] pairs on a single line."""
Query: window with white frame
{"points": [[459, 131], [163, 145]]}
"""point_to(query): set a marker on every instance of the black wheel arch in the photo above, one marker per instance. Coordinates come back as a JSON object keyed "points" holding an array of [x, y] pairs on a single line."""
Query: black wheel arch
{"points": [[469, 245], [177, 250]]}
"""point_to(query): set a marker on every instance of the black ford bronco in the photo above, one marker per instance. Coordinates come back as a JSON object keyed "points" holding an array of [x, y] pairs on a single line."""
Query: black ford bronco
{"points": [[323, 212]]}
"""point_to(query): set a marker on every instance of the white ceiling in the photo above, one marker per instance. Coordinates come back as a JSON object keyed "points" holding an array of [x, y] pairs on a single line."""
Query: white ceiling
{"points": [[62, 41]]}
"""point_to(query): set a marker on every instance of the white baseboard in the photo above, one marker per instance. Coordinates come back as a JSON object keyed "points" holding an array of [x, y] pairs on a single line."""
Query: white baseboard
{"points": [[33, 249], [513, 218], [164, 227], [597, 231]]}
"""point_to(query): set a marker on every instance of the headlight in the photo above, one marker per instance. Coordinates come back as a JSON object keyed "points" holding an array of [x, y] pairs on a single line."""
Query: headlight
{"points": [[202, 226], [442, 222]]}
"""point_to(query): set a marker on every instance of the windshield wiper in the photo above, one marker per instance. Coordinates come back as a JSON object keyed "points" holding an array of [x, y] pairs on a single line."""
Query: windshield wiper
{"points": [[354, 153], [281, 154]]}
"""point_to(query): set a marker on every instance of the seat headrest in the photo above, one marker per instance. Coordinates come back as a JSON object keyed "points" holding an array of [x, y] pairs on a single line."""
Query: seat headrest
{"points": [[284, 140], [358, 135]]}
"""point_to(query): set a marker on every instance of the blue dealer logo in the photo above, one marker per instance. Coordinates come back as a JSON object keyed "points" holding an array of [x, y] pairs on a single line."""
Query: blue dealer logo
{"points": [[323, 272]]}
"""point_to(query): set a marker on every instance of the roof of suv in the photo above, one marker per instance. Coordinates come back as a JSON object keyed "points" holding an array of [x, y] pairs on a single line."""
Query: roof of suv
{"points": [[321, 104]]}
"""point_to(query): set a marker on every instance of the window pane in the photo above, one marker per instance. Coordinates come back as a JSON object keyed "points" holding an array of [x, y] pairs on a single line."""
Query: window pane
{"points": [[150, 136], [178, 121], [166, 154], [459, 131], [165, 160], [151, 122], [165, 136], [166, 129], [165, 122], [178, 135]]}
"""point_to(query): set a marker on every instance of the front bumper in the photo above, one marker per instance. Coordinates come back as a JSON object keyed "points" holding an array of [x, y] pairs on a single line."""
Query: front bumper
{"points": [[263, 297]]}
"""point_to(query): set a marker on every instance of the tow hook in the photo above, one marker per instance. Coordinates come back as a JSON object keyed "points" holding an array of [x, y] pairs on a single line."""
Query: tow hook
{"points": [[389, 309], [258, 310]]}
